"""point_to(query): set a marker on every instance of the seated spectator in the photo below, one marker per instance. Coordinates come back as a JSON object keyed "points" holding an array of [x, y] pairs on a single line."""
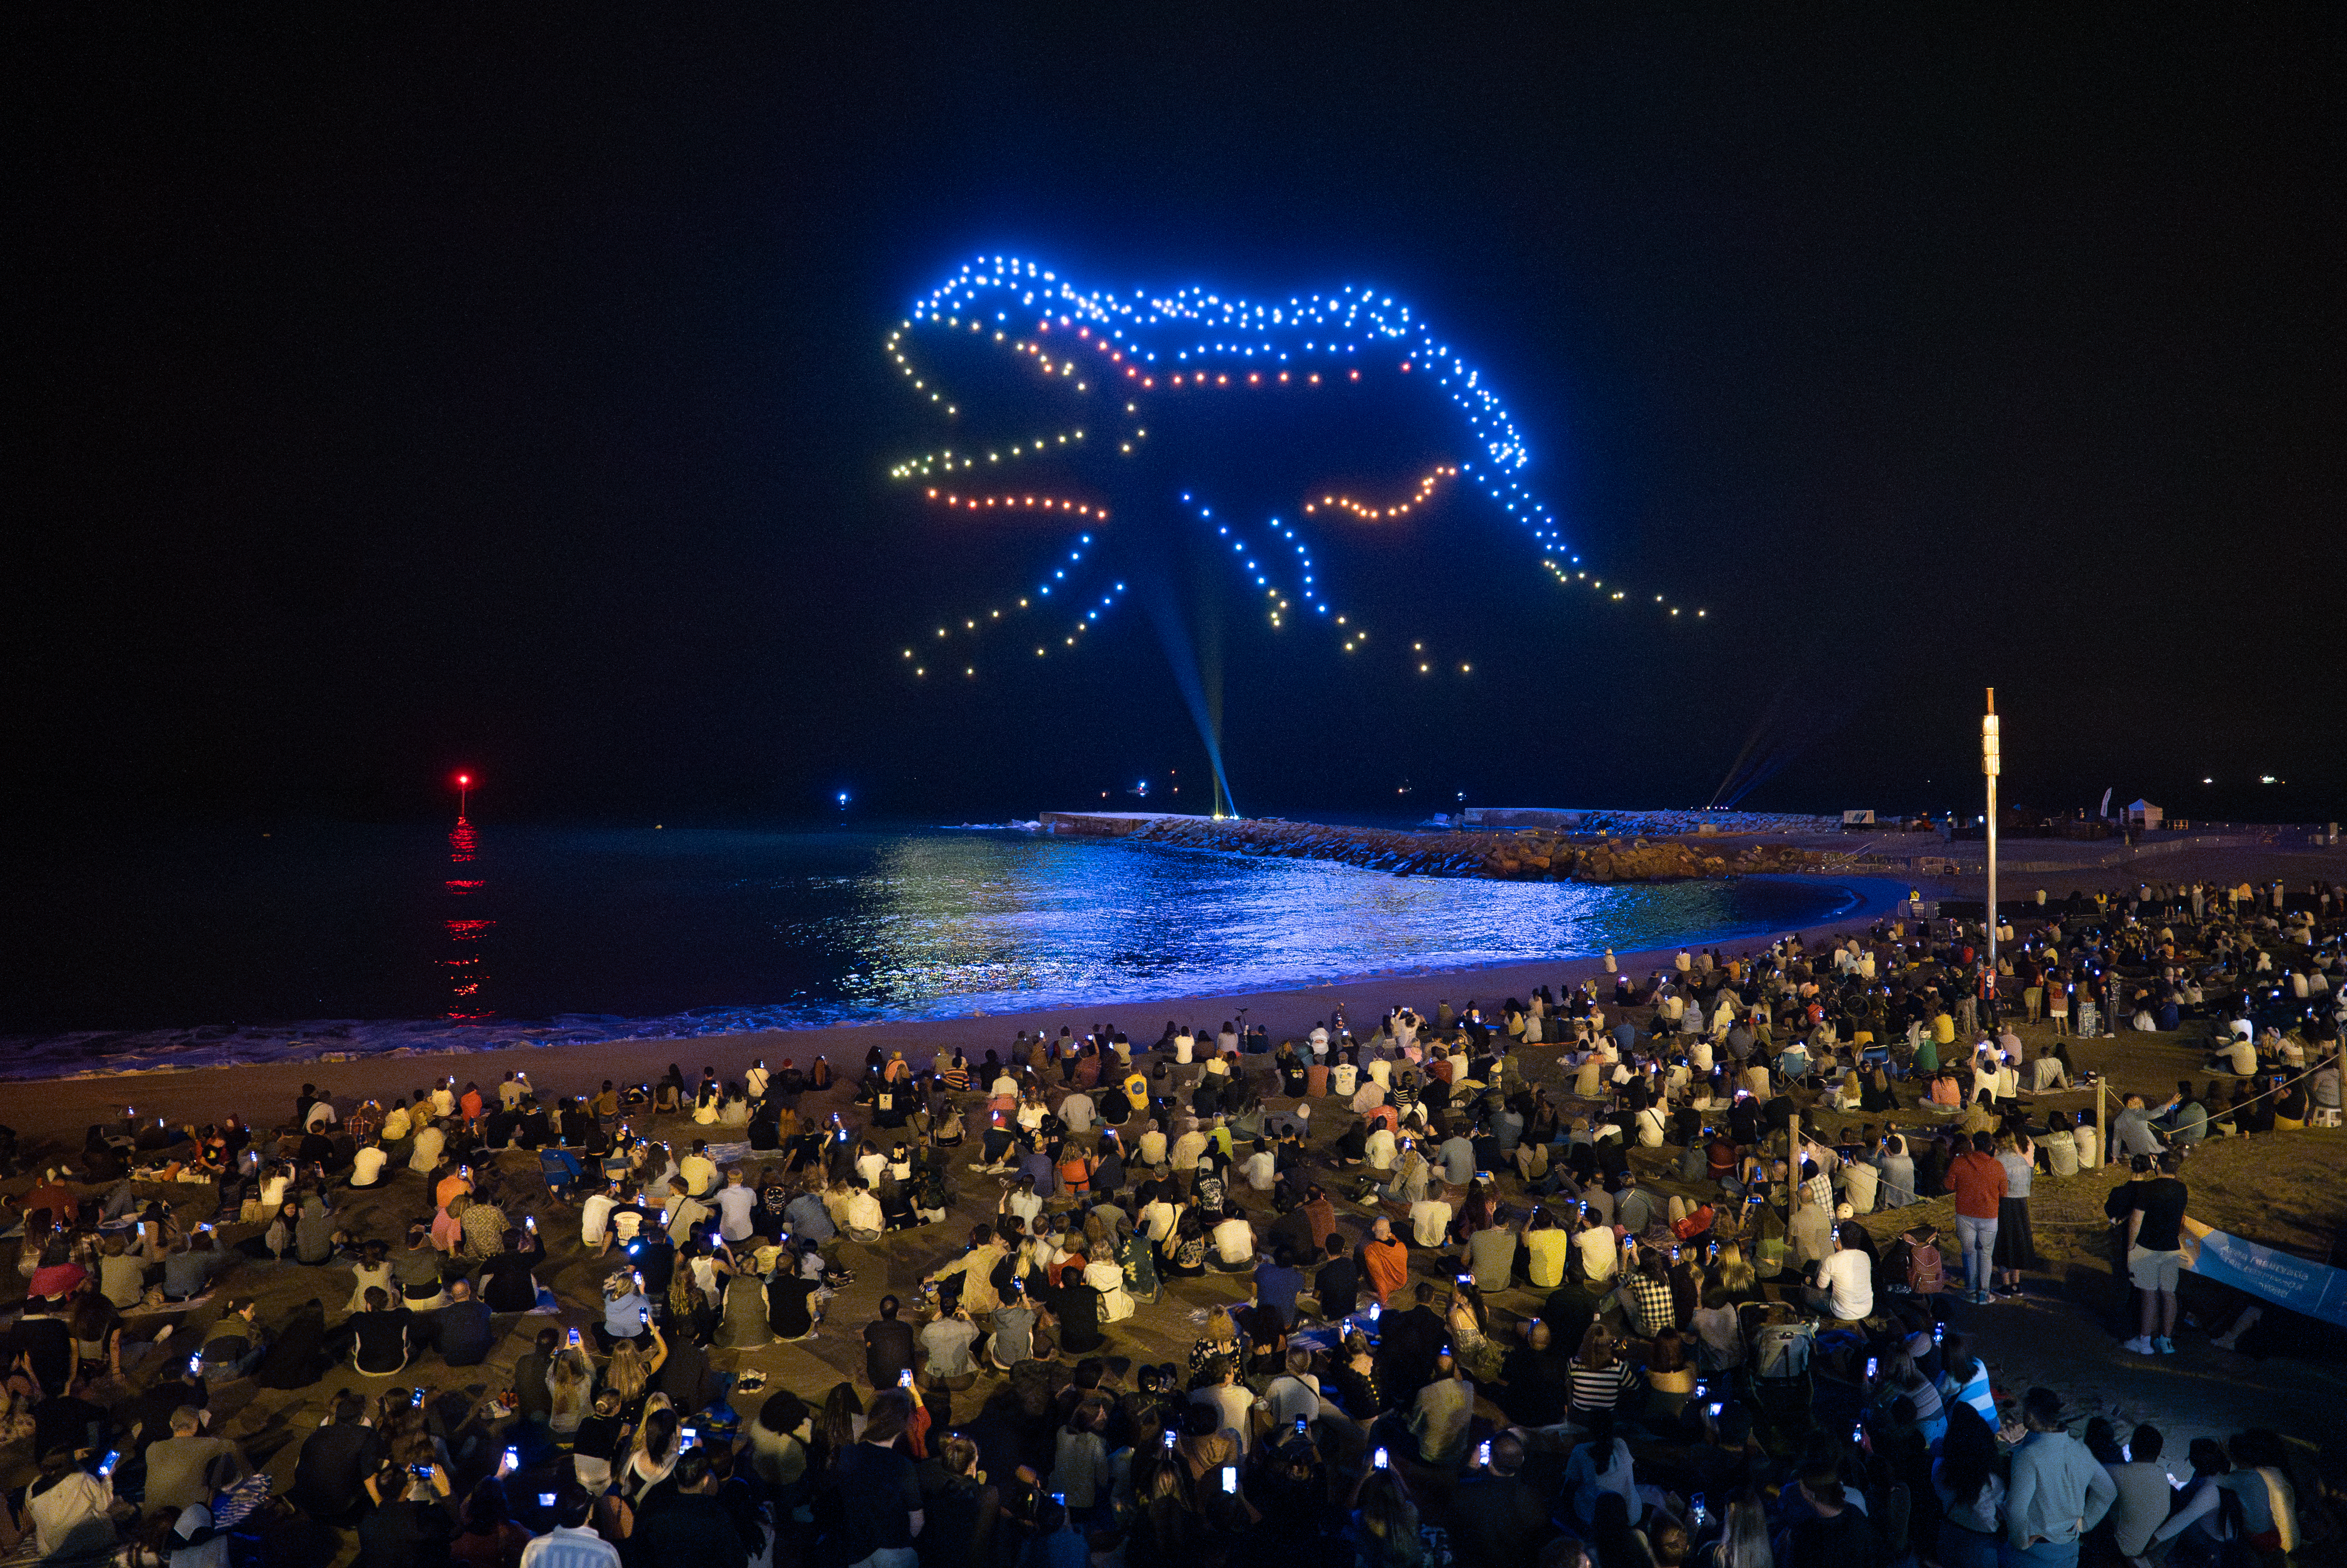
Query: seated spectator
{"points": [[380, 1338], [460, 1331], [73, 1513], [237, 1342], [336, 1461], [507, 1283], [176, 1466]]}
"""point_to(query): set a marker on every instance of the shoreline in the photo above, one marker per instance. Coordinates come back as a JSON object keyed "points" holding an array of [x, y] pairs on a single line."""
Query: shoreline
{"points": [[64, 1107]]}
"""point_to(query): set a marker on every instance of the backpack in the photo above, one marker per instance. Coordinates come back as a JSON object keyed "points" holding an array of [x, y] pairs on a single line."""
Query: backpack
{"points": [[1924, 1276]]}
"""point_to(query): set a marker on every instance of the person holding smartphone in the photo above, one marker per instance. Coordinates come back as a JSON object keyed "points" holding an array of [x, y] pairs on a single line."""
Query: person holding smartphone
{"points": [[889, 1346]]}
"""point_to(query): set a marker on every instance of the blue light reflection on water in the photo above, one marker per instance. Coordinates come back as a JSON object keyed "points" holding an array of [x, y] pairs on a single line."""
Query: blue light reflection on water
{"points": [[237, 948], [960, 919]]}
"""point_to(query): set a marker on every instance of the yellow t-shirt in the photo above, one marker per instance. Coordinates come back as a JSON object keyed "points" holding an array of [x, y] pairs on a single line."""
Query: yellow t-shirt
{"points": [[1545, 1252]]}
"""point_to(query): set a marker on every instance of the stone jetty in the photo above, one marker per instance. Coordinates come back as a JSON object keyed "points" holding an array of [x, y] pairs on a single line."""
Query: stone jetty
{"points": [[1525, 854]]}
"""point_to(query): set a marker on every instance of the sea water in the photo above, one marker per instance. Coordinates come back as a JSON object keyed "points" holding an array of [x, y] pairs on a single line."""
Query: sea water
{"points": [[331, 939]]}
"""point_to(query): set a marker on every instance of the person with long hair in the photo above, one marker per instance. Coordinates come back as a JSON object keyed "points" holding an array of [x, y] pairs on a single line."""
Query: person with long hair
{"points": [[1222, 1339], [1354, 1379], [570, 1381], [1598, 1465], [1617, 1542], [487, 1535], [1972, 1495], [1384, 1529], [959, 1512], [841, 1422], [1162, 1529], [2016, 1247], [629, 1372], [1468, 1323], [1744, 1536], [1600, 1376]]}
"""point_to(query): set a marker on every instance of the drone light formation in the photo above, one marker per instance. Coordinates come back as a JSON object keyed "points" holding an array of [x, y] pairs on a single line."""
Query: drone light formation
{"points": [[1128, 358]]}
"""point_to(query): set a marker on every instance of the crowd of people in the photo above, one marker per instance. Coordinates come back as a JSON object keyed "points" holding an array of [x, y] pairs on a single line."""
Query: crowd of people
{"points": [[1717, 1360]]}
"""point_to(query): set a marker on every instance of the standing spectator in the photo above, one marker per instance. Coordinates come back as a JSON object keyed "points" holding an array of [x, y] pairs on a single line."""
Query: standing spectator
{"points": [[681, 1523], [2016, 1247], [2156, 1255], [1979, 1184], [880, 1491], [2056, 1493]]}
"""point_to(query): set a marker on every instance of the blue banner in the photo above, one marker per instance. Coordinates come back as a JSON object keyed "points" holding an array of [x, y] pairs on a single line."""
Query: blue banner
{"points": [[2315, 1289]]}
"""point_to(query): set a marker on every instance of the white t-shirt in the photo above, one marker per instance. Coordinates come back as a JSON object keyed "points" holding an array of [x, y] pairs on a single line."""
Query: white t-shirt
{"points": [[366, 1166], [1430, 1220], [595, 1218], [1599, 1253], [734, 1207], [1848, 1280], [1235, 1240], [1379, 1152]]}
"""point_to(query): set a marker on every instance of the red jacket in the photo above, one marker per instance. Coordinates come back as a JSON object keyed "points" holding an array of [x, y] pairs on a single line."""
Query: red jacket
{"points": [[1978, 1181]]}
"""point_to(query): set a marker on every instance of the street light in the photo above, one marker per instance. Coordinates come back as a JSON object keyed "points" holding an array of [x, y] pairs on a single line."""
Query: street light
{"points": [[1991, 763]]}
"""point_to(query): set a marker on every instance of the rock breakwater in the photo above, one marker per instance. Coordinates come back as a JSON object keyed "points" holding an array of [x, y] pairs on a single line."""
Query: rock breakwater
{"points": [[1523, 856]]}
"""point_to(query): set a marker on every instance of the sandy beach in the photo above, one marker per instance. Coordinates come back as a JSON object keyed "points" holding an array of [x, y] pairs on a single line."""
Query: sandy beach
{"points": [[61, 1110]]}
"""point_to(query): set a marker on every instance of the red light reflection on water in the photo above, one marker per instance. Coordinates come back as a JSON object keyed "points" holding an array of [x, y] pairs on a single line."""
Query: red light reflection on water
{"points": [[465, 976]]}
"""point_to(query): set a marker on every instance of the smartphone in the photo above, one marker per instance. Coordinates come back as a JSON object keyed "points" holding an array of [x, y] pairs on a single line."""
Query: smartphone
{"points": [[529, 1223], [546, 1500], [1379, 1459], [1483, 1453], [196, 1364], [105, 1466], [1169, 1439], [905, 1379], [645, 1313], [420, 1472], [1872, 1363], [513, 1459], [1695, 1508], [691, 1436], [1230, 1480], [417, 1398], [1939, 1333], [1858, 1432], [1716, 1407], [574, 1339], [1060, 1498], [1465, 1279]]}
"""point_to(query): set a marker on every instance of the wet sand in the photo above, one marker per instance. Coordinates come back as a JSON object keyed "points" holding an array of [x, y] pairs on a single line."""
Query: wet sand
{"points": [[61, 1110]]}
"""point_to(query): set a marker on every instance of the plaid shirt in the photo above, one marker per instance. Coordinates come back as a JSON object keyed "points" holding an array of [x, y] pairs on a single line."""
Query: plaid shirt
{"points": [[1652, 1309]]}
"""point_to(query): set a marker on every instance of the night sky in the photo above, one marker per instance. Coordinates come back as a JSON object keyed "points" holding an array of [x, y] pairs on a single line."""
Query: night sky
{"points": [[397, 400]]}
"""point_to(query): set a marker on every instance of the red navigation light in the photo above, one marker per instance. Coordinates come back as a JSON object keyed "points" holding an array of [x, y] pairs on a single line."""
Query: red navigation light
{"points": [[464, 778]]}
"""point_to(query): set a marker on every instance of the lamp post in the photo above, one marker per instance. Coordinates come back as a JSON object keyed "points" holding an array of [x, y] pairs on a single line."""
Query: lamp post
{"points": [[1991, 763]]}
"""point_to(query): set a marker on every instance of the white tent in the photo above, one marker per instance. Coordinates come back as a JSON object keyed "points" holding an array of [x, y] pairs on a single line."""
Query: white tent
{"points": [[2145, 815]]}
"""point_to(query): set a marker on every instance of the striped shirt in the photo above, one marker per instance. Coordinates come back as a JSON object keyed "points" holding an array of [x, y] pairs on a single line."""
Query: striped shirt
{"points": [[1597, 1389]]}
